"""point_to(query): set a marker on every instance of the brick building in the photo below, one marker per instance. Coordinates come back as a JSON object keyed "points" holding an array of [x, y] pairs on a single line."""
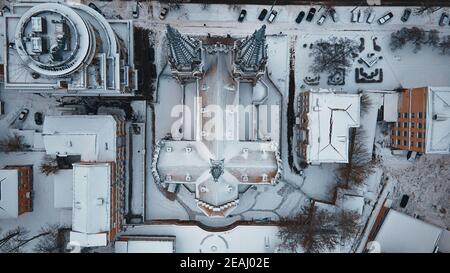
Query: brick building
{"points": [[16, 187], [324, 123], [423, 123], [98, 177]]}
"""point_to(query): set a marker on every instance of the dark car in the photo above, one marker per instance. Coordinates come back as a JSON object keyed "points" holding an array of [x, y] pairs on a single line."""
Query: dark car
{"points": [[38, 118], [300, 16], [242, 15], [443, 20], [94, 7], [310, 15], [262, 15], [406, 14], [385, 18], [404, 201], [333, 14]]}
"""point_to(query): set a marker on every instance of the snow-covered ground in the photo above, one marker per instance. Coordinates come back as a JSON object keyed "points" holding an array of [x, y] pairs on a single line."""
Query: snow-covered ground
{"points": [[426, 180]]}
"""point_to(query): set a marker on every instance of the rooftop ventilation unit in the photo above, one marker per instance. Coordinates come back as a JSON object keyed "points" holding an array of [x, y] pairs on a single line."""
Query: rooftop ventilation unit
{"points": [[264, 177], [245, 178]]}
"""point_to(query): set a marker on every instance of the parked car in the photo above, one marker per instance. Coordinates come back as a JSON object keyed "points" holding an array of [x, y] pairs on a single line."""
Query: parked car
{"points": [[311, 13], [404, 200], [333, 15], [163, 13], [242, 15], [300, 16], [385, 18], [136, 11], [272, 16], [38, 118], [322, 19], [94, 7], [360, 17], [406, 14], [370, 17], [2, 108], [443, 20], [262, 15], [23, 115], [355, 16]]}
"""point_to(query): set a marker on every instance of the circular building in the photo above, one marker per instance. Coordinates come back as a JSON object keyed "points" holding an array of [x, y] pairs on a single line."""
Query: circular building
{"points": [[54, 40]]}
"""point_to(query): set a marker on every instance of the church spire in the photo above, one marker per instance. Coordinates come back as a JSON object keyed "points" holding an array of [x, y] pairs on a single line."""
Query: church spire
{"points": [[184, 54], [250, 55]]}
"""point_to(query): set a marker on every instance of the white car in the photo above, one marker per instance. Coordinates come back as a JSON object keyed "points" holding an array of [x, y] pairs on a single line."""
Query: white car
{"points": [[321, 19], [136, 11], [355, 16], [385, 18], [163, 13], [371, 17], [272, 16], [23, 115]]}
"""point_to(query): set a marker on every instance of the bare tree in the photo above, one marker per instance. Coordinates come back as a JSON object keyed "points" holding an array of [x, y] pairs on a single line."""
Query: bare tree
{"points": [[311, 229], [12, 144], [333, 55], [433, 38], [347, 222], [444, 45], [53, 241], [360, 164], [316, 230], [49, 166], [13, 241], [366, 103], [414, 35]]}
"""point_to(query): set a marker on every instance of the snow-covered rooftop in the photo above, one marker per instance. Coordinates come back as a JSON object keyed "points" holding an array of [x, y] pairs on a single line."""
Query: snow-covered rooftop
{"points": [[72, 50], [187, 159], [193, 239], [146, 244], [9, 194], [93, 137], [438, 120], [329, 119], [63, 188], [402, 233], [91, 202]]}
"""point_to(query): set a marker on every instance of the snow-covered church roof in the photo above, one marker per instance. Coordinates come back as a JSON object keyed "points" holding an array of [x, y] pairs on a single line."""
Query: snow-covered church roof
{"points": [[330, 117]]}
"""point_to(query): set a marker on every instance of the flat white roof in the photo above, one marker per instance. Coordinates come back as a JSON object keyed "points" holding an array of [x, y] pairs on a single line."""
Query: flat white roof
{"points": [[193, 239], [353, 203], [401, 233], [91, 198], [63, 189], [91, 136], [9, 194], [144, 246], [390, 106], [329, 119], [438, 120]]}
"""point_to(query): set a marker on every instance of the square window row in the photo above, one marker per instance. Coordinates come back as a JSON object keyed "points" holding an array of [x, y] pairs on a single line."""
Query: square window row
{"points": [[405, 143], [412, 115]]}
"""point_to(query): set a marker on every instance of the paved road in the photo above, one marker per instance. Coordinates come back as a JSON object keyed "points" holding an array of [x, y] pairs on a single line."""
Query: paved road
{"points": [[331, 2]]}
